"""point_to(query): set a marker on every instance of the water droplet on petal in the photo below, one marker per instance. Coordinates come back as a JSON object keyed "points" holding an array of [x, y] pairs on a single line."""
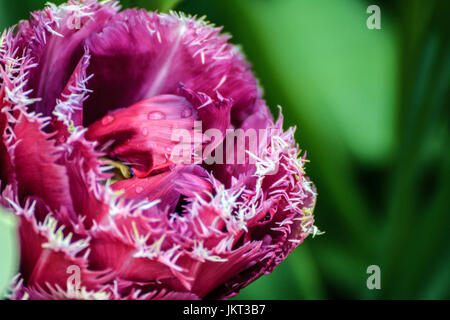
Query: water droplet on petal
{"points": [[156, 115], [186, 113], [139, 190], [107, 120], [144, 131]]}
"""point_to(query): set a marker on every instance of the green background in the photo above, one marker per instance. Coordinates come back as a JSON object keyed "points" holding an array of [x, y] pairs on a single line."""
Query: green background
{"points": [[371, 107]]}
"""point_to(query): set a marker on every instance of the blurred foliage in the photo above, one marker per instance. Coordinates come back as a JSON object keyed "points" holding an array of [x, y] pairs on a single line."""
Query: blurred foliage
{"points": [[371, 107], [8, 250]]}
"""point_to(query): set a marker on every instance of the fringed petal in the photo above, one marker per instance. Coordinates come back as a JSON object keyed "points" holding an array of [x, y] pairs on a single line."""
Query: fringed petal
{"points": [[47, 251], [68, 112], [140, 55], [84, 170], [36, 164], [6, 165], [168, 229], [54, 39]]}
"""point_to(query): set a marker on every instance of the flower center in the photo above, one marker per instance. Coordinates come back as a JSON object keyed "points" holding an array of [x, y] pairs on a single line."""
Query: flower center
{"points": [[119, 169], [142, 137], [139, 141]]}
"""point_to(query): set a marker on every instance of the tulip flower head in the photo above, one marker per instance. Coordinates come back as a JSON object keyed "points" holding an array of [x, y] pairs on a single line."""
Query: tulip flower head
{"points": [[140, 159]]}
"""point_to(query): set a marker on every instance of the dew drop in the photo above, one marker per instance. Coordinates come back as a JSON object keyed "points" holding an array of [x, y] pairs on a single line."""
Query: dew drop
{"points": [[144, 131], [156, 115], [107, 120], [139, 190], [186, 113]]}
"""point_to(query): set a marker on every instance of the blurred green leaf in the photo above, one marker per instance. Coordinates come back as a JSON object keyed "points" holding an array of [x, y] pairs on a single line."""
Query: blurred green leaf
{"points": [[344, 269], [160, 5], [8, 250], [279, 285], [306, 273], [337, 74], [426, 74], [12, 12], [438, 286]]}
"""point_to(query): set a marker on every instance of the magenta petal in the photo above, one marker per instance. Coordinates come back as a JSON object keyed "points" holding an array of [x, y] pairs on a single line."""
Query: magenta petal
{"points": [[214, 112], [36, 168], [47, 252], [140, 55], [121, 256], [166, 187], [210, 275], [115, 91], [90, 198], [142, 134], [6, 166], [56, 47], [69, 109]]}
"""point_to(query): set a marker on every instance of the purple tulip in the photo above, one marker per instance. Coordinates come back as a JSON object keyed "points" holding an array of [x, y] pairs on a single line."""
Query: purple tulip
{"points": [[90, 98]]}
